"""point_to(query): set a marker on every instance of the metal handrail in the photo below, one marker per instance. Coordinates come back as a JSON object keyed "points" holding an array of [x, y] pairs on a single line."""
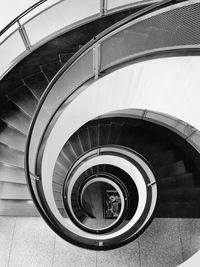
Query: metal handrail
{"points": [[25, 37], [24, 13], [51, 221], [86, 47], [75, 57]]}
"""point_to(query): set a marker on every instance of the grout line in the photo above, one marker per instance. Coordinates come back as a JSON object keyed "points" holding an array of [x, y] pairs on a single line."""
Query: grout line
{"points": [[139, 252], [54, 251], [11, 246], [180, 239]]}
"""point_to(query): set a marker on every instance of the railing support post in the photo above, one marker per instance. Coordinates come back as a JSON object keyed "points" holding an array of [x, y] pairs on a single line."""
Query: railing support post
{"points": [[96, 59], [103, 7], [24, 36]]}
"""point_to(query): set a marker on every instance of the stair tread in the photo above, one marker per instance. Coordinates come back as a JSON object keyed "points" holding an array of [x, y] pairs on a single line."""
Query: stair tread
{"points": [[83, 136], [57, 187], [51, 69], [69, 152], [113, 137], [63, 212], [14, 191], [18, 208], [180, 195], [64, 57], [59, 204], [178, 210], [11, 156], [168, 156], [176, 168], [36, 83], [12, 174], [177, 181], [13, 138], [60, 169], [93, 135], [15, 117], [24, 99], [57, 196], [76, 145]]}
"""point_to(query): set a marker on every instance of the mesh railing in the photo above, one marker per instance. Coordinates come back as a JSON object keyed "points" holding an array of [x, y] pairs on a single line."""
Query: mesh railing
{"points": [[45, 20]]}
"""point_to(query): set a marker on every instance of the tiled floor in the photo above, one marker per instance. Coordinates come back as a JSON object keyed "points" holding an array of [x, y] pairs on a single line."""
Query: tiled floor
{"points": [[28, 242]]}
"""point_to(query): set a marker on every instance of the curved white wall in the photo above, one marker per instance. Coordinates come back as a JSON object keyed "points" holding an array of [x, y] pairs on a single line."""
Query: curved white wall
{"points": [[169, 85]]}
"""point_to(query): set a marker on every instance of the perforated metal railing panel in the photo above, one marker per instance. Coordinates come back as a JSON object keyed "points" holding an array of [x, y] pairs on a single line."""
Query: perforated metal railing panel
{"points": [[173, 28]]}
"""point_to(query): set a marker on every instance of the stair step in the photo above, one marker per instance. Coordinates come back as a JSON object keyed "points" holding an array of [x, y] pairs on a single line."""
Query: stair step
{"points": [[11, 156], [57, 187], [128, 136], [18, 208], [93, 135], [69, 152], [66, 56], [36, 83], [153, 149], [12, 174], [57, 196], [176, 168], [115, 133], [60, 170], [180, 181], [59, 204], [148, 145], [51, 69], [74, 202], [180, 195], [13, 138], [63, 212], [104, 129], [76, 145], [178, 210], [24, 99], [82, 217], [15, 118], [84, 138], [14, 191], [64, 160], [57, 178], [77, 209], [167, 157]]}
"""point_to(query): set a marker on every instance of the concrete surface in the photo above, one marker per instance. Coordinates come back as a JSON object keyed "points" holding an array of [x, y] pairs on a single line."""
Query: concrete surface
{"points": [[29, 242]]}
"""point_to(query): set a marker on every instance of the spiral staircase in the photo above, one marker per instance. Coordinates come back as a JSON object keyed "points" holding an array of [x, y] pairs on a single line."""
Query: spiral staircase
{"points": [[93, 160], [176, 175], [21, 90]]}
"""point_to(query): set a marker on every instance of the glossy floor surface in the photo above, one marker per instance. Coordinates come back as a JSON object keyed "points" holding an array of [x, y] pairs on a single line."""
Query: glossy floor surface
{"points": [[28, 242]]}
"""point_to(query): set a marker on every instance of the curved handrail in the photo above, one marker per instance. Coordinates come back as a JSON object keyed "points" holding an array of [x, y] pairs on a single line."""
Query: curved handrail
{"points": [[29, 43], [83, 49], [51, 221], [132, 17], [24, 13], [97, 38]]}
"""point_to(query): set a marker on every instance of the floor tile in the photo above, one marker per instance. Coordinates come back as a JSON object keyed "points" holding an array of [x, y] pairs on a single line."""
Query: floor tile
{"points": [[160, 244], [33, 244], [67, 255], [190, 236], [7, 225], [121, 257]]}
